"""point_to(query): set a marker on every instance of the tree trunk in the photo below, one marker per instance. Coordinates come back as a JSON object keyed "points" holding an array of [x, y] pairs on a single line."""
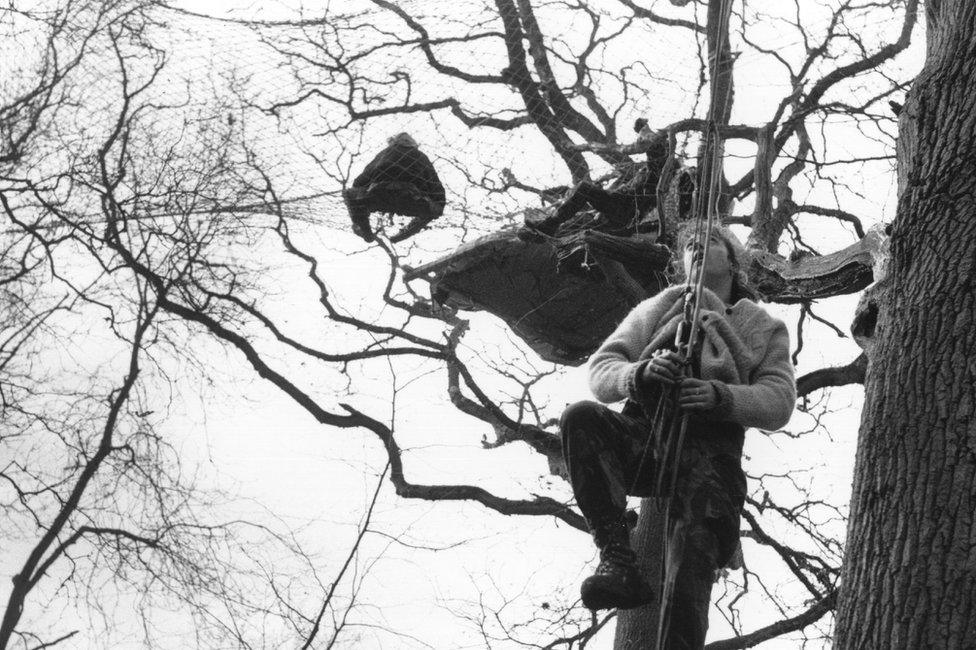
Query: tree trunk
{"points": [[909, 578], [637, 628]]}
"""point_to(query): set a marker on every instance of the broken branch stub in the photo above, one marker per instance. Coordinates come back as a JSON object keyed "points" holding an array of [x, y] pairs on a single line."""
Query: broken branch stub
{"points": [[817, 276]]}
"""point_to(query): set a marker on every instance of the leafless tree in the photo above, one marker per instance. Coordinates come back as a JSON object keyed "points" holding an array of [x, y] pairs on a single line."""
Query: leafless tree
{"points": [[221, 247], [574, 93], [99, 508]]}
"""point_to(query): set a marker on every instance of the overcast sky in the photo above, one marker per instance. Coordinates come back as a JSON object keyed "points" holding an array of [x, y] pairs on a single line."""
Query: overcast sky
{"points": [[249, 440]]}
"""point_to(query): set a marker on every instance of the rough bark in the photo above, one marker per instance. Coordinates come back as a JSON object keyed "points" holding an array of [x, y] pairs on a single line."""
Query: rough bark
{"points": [[909, 578]]}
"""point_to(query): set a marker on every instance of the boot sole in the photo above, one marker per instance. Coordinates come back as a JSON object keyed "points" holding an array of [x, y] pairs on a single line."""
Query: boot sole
{"points": [[595, 598]]}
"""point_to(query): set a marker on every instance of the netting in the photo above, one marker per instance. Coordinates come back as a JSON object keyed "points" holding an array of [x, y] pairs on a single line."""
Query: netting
{"points": [[331, 88], [312, 101], [522, 113]]}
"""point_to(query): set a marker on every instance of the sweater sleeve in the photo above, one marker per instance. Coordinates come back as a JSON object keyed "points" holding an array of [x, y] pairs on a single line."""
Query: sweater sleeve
{"points": [[615, 367], [767, 401]]}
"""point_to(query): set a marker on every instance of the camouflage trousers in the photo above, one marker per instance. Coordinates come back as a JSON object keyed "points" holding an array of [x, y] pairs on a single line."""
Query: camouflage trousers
{"points": [[603, 449]]}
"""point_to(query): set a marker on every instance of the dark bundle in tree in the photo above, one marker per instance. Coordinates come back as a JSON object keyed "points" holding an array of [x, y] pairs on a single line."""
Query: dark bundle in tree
{"points": [[399, 180]]}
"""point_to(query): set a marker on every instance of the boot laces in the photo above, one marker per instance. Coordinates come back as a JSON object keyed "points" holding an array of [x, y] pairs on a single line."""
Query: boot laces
{"points": [[616, 559]]}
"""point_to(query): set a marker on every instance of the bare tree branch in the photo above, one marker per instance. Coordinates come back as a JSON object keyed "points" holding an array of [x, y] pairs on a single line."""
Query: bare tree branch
{"points": [[852, 373]]}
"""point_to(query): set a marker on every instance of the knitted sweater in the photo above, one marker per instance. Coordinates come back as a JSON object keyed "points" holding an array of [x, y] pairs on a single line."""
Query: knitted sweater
{"points": [[745, 356]]}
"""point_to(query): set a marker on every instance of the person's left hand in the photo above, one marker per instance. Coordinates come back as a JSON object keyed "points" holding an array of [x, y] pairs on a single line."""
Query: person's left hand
{"points": [[697, 395]]}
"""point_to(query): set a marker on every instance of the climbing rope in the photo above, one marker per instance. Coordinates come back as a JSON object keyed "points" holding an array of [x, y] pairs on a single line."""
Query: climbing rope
{"points": [[668, 428]]}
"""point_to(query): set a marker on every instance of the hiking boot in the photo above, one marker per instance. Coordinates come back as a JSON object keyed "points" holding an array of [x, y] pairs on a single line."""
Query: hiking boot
{"points": [[617, 582]]}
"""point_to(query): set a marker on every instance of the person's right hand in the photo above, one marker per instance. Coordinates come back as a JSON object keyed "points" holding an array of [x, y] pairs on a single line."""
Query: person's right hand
{"points": [[664, 367]]}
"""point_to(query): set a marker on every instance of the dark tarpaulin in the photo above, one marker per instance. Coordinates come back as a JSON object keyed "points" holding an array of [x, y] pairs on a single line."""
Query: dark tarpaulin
{"points": [[552, 293]]}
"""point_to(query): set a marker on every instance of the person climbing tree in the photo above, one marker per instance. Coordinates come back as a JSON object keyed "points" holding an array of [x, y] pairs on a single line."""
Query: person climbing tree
{"points": [[743, 377], [399, 180]]}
